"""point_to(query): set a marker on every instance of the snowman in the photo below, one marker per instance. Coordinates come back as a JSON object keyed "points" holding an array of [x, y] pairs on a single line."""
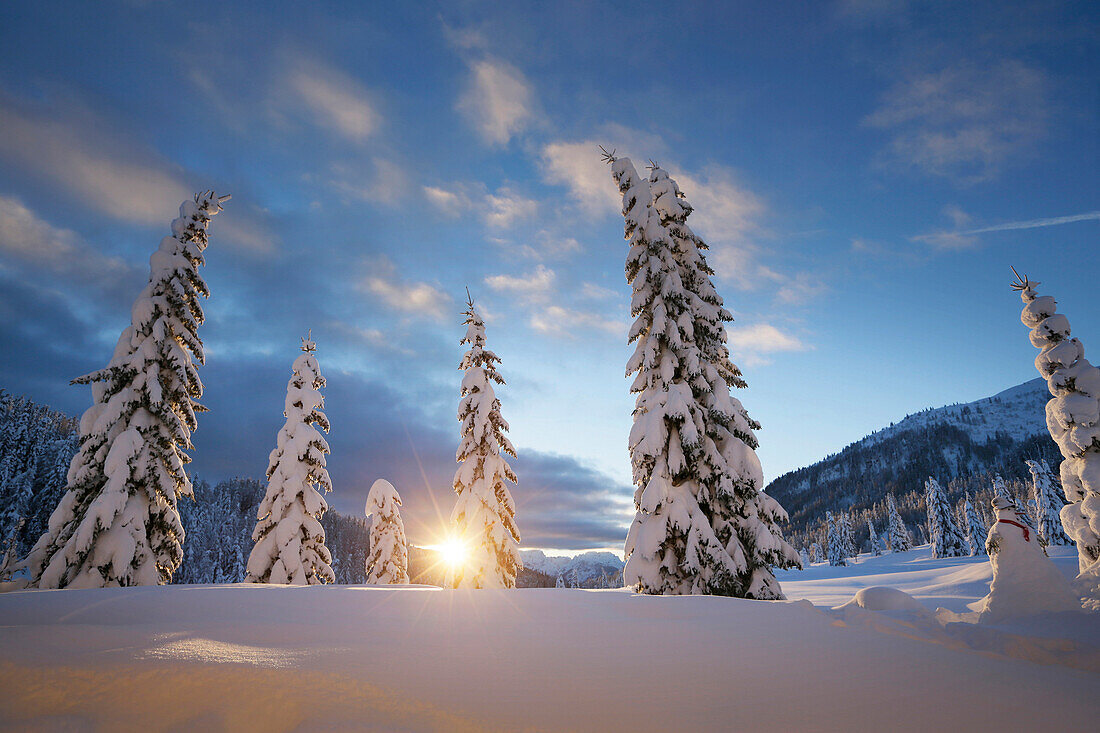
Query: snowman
{"points": [[1025, 581]]}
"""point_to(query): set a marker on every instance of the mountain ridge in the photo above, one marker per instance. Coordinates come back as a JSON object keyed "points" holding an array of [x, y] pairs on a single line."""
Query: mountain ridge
{"points": [[962, 445]]}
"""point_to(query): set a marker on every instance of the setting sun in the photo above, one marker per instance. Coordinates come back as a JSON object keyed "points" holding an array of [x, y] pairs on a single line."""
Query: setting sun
{"points": [[453, 552]]}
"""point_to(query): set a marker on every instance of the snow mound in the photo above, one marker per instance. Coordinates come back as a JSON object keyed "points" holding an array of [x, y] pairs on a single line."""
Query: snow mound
{"points": [[881, 598]]}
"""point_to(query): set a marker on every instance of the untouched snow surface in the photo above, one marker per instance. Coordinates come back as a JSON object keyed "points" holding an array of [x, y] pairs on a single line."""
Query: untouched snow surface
{"points": [[273, 658]]}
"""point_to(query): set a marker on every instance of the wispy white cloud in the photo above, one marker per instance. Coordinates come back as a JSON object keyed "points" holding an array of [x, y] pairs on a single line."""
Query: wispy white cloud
{"points": [[500, 209], [576, 165], [535, 292], [763, 337], [964, 122], [382, 181], [535, 285], [74, 149], [335, 100], [963, 238], [545, 245], [753, 345], [465, 38], [801, 288], [1037, 223], [725, 210], [32, 240], [499, 100], [373, 337], [592, 291], [411, 297], [450, 202], [88, 164], [506, 207], [555, 320]]}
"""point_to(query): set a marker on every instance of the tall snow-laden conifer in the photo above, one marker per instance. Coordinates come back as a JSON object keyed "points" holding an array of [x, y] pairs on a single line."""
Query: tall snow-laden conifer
{"points": [[947, 540], [484, 514], [701, 525], [1073, 418], [975, 529], [847, 535], [388, 561], [1000, 489], [876, 547], [730, 473], [835, 540], [1048, 505], [290, 541], [899, 535], [118, 523]]}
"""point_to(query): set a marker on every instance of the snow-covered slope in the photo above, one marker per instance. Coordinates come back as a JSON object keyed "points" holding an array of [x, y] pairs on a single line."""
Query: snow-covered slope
{"points": [[279, 658], [1018, 410]]}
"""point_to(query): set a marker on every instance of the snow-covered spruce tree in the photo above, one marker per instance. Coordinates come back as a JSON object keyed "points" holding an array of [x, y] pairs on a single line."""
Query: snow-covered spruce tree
{"points": [[290, 541], [847, 535], [947, 540], [388, 562], [815, 552], [897, 532], [484, 514], [876, 548], [835, 541], [9, 560], [702, 525], [118, 523], [1073, 418], [738, 505], [1000, 489], [804, 556], [1048, 505], [975, 528]]}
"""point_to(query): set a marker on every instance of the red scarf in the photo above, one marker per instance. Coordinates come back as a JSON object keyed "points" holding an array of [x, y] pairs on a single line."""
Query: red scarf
{"points": [[1027, 533]]}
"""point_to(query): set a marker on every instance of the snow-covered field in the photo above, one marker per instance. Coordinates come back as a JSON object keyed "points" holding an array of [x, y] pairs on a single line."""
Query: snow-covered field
{"points": [[246, 657]]}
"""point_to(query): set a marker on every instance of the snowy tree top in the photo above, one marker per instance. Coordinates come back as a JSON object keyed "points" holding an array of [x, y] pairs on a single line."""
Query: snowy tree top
{"points": [[308, 344], [382, 498]]}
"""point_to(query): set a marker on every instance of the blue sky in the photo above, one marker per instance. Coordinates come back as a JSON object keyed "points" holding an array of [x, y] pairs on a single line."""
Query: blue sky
{"points": [[865, 173]]}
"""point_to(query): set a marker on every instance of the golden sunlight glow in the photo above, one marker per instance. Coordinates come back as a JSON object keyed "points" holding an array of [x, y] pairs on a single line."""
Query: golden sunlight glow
{"points": [[453, 552]]}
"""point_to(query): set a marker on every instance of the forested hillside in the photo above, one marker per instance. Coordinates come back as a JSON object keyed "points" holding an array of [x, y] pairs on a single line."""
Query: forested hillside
{"points": [[963, 446]]}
